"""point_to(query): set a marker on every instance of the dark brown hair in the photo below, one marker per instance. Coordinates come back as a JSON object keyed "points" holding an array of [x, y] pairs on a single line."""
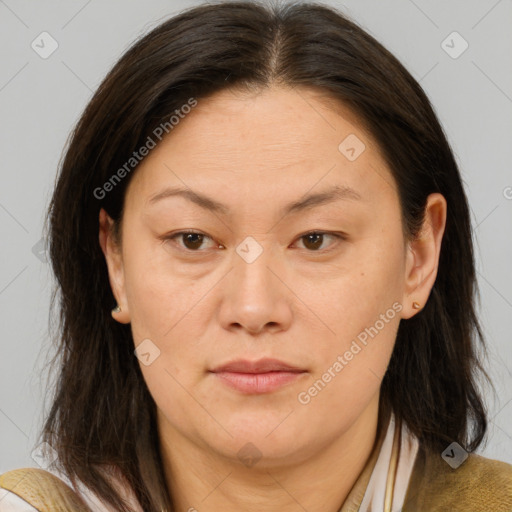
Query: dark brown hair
{"points": [[102, 412]]}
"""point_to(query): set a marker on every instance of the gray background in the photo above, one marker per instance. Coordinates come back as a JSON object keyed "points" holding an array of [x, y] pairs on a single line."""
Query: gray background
{"points": [[41, 99]]}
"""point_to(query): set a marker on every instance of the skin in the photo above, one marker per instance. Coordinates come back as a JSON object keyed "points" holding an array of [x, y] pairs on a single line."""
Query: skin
{"points": [[256, 152]]}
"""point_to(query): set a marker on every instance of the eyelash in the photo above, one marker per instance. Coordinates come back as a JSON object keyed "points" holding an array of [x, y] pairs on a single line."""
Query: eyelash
{"points": [[338, 236]]}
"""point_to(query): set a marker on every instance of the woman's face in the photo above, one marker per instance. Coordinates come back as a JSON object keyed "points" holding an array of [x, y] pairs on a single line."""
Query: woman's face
{"points": [[257, 173]]}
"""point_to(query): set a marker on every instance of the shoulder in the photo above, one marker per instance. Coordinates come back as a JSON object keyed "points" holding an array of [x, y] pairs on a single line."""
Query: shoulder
{"points": [[29, 489], [10, 502], [478, 484]]}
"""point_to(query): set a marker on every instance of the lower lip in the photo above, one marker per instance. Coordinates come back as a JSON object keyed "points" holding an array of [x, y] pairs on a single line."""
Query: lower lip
{"points": [[258, 382]]}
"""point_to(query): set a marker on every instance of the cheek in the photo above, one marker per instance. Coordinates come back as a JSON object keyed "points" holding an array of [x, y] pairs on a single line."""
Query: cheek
{"points": [[349, 371], [360, 310], [157, 297], [351, 296], [169, 389], [170, 311]]}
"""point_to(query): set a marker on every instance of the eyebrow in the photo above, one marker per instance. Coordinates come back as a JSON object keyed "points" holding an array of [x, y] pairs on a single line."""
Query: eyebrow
{"points": [[330, 195]]}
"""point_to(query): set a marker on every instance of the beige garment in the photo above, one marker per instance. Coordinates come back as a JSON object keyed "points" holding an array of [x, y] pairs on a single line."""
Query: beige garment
{"points": [[478, 485], [29, 489], [425, 482], [36, 486]]}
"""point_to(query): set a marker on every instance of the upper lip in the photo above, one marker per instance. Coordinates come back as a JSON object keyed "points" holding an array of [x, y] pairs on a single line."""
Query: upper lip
{"points": [[260, 366]]}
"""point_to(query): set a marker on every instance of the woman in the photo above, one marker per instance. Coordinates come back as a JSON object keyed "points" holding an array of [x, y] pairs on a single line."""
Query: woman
{"points": [[263, 250]]}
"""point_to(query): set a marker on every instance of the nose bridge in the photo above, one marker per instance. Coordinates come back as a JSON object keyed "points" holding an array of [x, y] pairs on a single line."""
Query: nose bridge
{"points": [[253, 257], [254, 297]]}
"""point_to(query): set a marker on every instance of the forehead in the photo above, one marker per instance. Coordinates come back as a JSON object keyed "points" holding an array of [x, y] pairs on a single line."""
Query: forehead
{"points": [[274, 140]]}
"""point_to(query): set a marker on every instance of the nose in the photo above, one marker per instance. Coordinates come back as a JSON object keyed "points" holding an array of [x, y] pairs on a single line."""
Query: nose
{"points": [[256, 296]]}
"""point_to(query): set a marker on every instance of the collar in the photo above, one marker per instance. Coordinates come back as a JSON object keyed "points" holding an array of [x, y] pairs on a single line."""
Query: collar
{"points": [[383, 482]]}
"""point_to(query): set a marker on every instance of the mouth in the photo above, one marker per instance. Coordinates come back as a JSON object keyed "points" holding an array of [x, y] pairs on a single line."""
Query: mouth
{"points": [[256, 377]]}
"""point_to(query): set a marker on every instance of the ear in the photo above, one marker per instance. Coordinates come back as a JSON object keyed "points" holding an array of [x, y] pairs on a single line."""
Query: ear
{"points": [[422, 259], [113, 257]]}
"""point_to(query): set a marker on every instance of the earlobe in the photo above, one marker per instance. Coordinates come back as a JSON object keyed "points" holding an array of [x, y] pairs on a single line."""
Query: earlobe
{"points": [[113, 258], [423, 256], [120, 315]]}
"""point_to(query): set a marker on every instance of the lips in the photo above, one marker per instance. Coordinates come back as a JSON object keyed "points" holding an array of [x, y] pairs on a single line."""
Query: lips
{"points": [[261, 366], [257, 377]]}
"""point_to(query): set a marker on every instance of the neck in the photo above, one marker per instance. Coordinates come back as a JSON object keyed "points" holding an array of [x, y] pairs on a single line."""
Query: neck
{"points": [[203, 480]]}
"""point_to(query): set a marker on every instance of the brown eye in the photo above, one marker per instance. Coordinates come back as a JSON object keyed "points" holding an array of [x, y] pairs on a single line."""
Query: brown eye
{"points": [[313, 241], [191, 240]]}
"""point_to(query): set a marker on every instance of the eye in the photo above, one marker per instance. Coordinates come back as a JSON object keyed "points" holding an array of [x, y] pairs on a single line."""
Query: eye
{"points": [[192, 240], [314, 240]]}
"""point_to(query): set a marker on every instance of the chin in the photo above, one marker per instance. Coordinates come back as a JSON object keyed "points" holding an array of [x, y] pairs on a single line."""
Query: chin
{"points": [[263, 443]]}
